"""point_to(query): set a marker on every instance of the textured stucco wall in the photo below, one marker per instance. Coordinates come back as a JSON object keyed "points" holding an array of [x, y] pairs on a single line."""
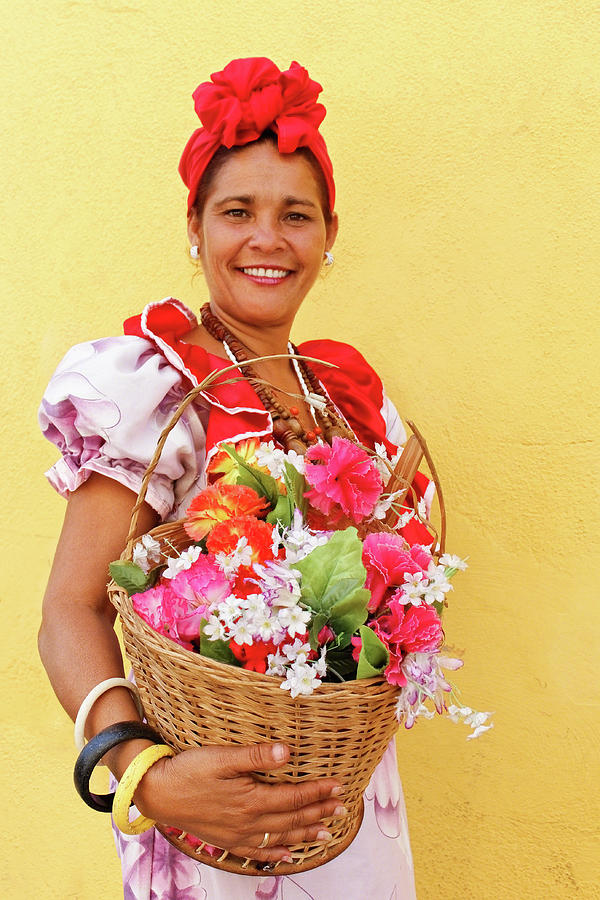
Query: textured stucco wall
{"points": [[465, 140]]}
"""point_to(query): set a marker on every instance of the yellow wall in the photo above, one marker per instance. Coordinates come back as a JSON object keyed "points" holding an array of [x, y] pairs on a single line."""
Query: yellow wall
{"points": [[465, 139]]}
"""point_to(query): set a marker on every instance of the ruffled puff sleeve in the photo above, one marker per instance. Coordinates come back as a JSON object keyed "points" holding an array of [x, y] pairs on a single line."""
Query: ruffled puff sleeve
{"points": [[105, 408]]}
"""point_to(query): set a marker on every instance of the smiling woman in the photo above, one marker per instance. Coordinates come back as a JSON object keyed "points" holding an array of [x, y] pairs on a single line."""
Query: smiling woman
{"points": [[262, 237], [261, 220]]}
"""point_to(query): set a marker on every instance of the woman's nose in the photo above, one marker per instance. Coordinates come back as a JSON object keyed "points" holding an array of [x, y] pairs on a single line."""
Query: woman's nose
{"points": [[266, 235]]}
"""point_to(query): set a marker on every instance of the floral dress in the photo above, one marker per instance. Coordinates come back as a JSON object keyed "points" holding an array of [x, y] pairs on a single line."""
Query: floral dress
{"points": [[104, 408]]}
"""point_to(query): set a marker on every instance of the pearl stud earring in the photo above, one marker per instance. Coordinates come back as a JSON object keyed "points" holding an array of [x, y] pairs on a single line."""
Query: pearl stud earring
{"points": [[194, 251], [328, 258]]}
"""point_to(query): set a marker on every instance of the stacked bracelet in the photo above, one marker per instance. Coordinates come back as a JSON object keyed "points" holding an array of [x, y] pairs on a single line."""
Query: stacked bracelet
{"points": [[130, 779], [96, 748], [95, 694]]}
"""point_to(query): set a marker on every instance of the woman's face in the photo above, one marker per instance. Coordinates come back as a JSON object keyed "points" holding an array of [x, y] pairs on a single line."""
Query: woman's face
{"points": [[262, 236]]}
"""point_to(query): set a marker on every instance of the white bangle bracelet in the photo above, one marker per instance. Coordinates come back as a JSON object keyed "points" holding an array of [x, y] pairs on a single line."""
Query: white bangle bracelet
{"points": [[94, 694]]}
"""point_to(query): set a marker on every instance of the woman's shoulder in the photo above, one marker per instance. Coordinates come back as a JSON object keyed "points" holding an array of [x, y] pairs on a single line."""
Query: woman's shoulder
{"points": [[333, 351], [110, 367], [349, 366], [105, 408], [134, 356]]}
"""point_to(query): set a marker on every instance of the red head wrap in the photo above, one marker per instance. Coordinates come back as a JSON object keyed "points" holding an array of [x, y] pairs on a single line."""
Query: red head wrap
{"points": [[249, 96]]}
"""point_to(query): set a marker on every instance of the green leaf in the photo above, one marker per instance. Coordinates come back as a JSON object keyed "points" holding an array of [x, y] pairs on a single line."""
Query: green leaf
{"points": [[282, 513], [218, 650], [332, 581], [374, 655], [293, 499], [264, 484], [131, 577], [350, 610], [295, 484]]}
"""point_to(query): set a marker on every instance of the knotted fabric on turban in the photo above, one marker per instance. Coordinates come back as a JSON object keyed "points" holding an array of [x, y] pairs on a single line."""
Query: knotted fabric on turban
{"points": [[249, 96]]}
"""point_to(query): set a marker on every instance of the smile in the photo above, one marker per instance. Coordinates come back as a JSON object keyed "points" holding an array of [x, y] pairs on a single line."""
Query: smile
{"points": [[266, 273]]}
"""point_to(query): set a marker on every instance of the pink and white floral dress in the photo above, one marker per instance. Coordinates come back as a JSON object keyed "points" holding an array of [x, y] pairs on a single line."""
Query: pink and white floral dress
{"points": [[104, 408]]}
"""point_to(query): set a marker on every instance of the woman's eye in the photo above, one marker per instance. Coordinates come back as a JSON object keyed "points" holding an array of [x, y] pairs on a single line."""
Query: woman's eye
{"points": [[297, 217], [235, 213]]}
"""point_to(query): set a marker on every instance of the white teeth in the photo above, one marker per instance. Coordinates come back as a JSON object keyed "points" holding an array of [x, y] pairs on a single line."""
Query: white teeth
{"points": [[266, 273]]}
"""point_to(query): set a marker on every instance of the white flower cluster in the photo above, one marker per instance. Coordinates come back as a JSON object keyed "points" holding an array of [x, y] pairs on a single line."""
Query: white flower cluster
{"points": [[298, 540], [240, 556], [386, 502], [272, 614], [146, 552], [475, 720], [177, 564], [384, 462], [425, 681], [432, 586], [272, 458], [302, 674]]}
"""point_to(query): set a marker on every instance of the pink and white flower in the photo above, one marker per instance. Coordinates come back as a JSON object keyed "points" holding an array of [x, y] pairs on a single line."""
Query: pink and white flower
{"points": [[344, 481]]}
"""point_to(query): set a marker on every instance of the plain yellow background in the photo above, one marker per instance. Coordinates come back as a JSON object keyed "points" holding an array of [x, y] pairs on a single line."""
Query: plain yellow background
{"points": [[465, 141]]}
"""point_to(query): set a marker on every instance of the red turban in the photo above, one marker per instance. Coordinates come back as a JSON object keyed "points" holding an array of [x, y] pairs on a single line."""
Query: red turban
{"points": [[246, 98]]}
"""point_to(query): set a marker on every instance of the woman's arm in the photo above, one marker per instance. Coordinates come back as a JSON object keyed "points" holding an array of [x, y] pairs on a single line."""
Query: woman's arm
{"points": [[207, 791]]}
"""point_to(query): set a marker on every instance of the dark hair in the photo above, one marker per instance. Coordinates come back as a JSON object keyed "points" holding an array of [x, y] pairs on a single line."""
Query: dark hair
{"points": [[225, 153]]}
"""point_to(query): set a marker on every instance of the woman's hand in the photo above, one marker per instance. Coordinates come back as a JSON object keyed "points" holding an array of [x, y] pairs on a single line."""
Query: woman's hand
{"points": [[211, 793]]}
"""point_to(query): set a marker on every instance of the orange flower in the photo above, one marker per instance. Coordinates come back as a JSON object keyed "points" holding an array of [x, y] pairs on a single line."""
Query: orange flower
{"points": [[225, 469], [225, 536], [219, 503]]}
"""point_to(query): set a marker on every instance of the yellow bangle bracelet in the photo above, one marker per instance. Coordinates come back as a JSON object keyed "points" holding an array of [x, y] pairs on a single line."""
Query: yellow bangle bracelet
{"points": [[132, 776]]}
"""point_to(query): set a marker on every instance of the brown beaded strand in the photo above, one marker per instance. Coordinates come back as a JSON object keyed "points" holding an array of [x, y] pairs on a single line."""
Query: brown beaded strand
{"points": [[336, 426], [287, 429]]}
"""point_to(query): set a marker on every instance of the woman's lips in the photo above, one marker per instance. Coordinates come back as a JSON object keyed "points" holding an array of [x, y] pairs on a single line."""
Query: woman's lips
{"points": [[264, 275]]}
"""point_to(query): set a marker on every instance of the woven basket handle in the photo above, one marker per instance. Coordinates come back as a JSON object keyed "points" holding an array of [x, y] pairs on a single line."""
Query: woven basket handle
{"points": [[189, 398], [416, 435]]}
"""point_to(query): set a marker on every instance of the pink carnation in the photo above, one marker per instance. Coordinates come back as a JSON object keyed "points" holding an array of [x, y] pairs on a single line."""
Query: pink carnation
{"points": [[343, 479], [387, 559], [413, 629], [196, 590], [156, 607], [150, 605], [407, 629], [177, 608]]}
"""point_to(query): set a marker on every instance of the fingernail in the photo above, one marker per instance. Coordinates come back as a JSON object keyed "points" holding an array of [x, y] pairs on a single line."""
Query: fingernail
{"points": [[287, 859], [340, 811], [279, 752], [323, 836], [336, 791]]}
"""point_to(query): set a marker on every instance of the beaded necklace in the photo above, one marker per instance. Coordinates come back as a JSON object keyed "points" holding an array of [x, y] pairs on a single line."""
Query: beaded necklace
{"points": [[287, 429]]}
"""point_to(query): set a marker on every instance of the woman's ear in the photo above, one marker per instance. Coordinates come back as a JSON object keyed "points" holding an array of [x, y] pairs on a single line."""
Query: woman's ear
{"points": [[331, 231], [194, 228]]}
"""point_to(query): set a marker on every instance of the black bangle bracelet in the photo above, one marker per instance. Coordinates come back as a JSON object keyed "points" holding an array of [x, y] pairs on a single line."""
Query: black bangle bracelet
{"points": [[95, 749]]}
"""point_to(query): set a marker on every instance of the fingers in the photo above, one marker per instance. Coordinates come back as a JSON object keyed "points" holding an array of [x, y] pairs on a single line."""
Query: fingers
{"points": [[283, 831], [302, 825], [277, 847], [252, 758], [293, 798]]}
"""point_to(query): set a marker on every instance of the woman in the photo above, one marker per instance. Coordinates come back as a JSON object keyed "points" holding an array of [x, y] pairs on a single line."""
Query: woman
{"points": [[261, 221]]}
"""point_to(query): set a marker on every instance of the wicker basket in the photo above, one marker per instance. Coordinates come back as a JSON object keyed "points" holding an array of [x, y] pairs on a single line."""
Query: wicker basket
{"points": [[340, 731]]}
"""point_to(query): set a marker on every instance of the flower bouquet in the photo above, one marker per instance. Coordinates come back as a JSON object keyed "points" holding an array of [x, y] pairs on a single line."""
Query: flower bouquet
{"points": [[291, 604]]}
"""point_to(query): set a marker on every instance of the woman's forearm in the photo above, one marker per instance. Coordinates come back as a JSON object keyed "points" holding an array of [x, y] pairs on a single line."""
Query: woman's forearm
{"points": [[79, 649], [77, 642]]}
